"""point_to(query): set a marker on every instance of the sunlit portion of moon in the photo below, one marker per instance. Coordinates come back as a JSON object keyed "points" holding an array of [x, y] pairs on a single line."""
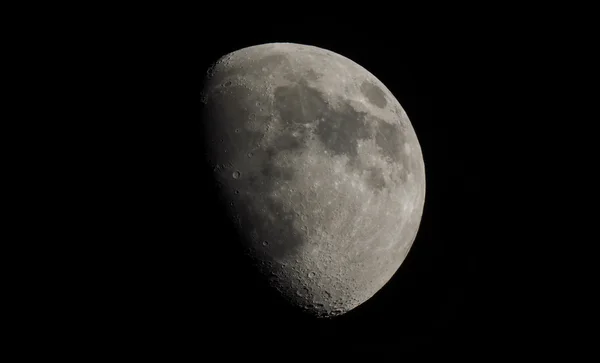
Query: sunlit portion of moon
{"points": [[322, 167]]}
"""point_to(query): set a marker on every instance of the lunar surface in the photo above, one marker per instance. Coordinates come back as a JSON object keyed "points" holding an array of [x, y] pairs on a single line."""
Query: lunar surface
{"points": [[320, 169]]}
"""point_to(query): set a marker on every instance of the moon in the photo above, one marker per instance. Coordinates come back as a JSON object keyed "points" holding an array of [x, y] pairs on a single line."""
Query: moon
{"points": [[320, 169]]}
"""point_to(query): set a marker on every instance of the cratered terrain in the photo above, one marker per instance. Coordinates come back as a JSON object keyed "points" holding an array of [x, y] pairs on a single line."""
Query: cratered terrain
{"points": [[319, 168]]}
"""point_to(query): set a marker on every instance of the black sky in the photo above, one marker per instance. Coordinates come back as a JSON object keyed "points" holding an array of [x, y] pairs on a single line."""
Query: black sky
{"points": [[182, 282]]}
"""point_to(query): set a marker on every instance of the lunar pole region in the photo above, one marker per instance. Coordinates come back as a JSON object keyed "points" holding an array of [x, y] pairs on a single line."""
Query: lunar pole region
{"points": [[319, 168]]}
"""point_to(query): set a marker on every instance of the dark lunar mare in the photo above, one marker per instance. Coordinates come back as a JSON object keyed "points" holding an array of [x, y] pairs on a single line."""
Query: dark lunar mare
{"points": [[374, 94], [340, 129]]}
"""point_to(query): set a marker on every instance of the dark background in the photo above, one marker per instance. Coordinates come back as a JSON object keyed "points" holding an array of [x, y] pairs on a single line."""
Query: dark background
{"points": [[131, 254], [174, 278]]}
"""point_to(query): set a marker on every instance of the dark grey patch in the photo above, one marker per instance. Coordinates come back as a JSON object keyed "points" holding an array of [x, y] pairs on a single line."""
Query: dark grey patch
{"points": [[289, 102], [389, 138], [272, 171], [375, 178], [253, 180], [270, 152], [339, 130], [374, 94], [287, 141]]}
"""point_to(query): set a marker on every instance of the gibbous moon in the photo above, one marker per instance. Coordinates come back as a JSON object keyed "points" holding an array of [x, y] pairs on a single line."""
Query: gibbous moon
{"points": [[319, 167]]}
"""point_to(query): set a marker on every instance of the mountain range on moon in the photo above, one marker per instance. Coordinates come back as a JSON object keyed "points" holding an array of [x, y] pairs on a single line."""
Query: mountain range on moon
{"points": [[319, 168]]}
